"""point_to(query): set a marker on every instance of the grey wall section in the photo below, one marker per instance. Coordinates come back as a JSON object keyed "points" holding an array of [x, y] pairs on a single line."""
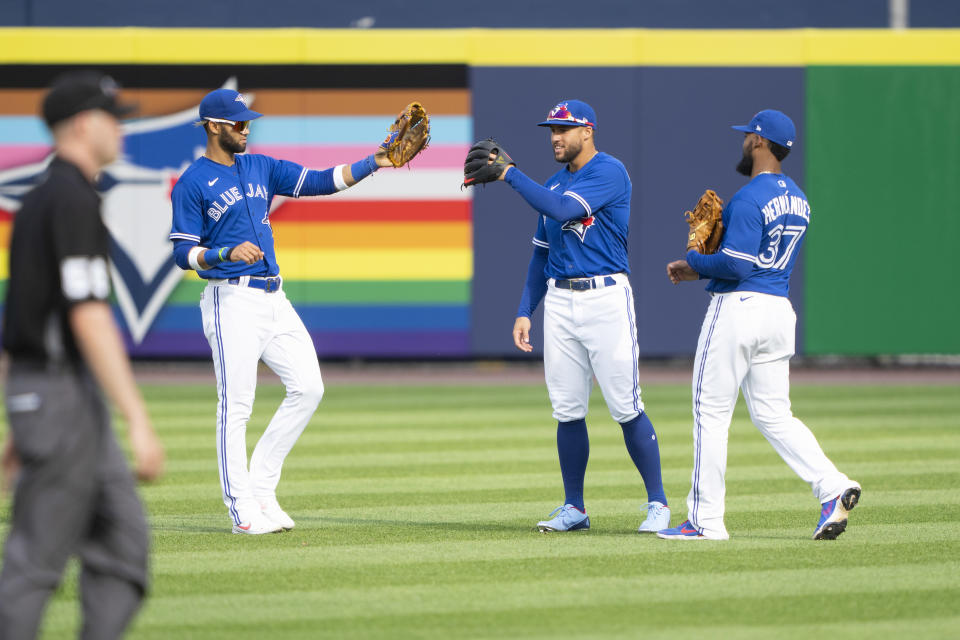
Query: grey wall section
{"points": [[713, 14], [671, 129]]}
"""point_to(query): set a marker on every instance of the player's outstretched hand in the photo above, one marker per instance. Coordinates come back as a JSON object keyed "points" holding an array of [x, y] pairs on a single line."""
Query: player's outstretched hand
{"points": [[380, 156], [521, 334], [246, 252], [679, 270], [148, 453]]}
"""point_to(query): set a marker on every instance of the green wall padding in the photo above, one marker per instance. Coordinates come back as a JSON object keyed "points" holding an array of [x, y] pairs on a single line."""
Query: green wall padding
{"points": [[883, 178]]}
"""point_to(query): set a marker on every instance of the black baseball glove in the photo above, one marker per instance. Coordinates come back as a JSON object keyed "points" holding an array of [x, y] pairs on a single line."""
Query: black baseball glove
{"points": [[477, 168]]}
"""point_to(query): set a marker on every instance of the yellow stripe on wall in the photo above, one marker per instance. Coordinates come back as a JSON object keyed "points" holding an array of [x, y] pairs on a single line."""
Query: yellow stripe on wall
{"points": [[482, 47], [378, 264], [369, 235]]}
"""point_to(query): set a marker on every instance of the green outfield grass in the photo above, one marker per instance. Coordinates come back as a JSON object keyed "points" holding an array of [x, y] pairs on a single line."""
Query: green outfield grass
{"points": [[415, 510]]}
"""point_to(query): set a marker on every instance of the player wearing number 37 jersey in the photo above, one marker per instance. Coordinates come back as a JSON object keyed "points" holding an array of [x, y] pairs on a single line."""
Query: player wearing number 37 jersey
{"points": [[747, 338]]}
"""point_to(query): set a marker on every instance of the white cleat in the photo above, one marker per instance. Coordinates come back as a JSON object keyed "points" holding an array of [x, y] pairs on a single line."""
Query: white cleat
{"points": [[658, 517], [257, 525], [271, 509]]}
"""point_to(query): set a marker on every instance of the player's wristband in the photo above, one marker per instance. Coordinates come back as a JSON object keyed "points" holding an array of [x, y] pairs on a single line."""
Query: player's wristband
{"points": [[362, 168], [216, 256]]}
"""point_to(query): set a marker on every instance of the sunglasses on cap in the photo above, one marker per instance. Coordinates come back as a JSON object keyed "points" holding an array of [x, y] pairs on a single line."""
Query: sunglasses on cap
{"points": [[560, 112], [238, 126]]}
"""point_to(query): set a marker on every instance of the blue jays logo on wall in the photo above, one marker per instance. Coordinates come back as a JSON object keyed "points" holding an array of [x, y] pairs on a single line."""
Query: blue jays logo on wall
{"points": [[136, 209], [579, 226]]}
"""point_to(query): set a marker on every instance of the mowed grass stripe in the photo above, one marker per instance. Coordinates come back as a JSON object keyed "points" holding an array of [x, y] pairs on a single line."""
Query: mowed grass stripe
{"points": [[466, 453], [766, 549], [333, 603], [304, 483], [486, 426]]}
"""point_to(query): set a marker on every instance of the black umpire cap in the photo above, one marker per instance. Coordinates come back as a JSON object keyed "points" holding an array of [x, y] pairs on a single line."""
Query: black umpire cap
{"points": [[79, 91]]}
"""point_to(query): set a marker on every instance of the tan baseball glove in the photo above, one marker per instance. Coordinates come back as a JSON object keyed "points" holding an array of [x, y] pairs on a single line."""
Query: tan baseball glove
{"points": [[706, 225], [408, 135]]}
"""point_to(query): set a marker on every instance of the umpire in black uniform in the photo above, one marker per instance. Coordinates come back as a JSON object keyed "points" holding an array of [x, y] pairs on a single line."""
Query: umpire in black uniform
{"points": [[74, 494]]}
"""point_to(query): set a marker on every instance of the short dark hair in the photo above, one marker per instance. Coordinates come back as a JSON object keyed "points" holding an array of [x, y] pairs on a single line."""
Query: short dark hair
{"points": [[778, 150]]}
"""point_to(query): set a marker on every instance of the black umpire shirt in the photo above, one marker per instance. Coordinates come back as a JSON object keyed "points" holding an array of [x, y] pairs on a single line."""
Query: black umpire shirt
{"points": [[58, 258]]}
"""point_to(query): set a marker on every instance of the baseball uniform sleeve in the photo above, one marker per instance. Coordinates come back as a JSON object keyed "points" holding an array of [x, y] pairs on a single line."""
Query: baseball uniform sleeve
{"points": [[535, 286], [604, 183], [187, 227], [549, 203], [738, 251], [540, 237], [80, 246], [290, 179], [187, 212]]}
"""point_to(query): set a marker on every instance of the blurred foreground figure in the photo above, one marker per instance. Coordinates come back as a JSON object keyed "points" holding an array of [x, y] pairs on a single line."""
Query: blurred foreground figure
{"points": [[73, 491]]}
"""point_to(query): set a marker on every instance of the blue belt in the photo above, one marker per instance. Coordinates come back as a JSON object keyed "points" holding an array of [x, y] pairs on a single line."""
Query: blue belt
{"points": [[269, 285], [585, 284]]}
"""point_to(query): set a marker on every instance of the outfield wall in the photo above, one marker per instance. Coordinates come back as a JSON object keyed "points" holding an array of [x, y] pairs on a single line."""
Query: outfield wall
{"points": [[443, 14], [410, 266]]}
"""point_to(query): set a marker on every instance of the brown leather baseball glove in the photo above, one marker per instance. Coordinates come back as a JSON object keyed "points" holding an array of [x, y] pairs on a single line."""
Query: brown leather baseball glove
{"points": [[706, 225], [408, 135]]}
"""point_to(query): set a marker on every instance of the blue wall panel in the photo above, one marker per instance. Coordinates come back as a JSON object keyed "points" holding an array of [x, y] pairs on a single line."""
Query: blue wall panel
{"points": [[507, 104], [686, 145]]}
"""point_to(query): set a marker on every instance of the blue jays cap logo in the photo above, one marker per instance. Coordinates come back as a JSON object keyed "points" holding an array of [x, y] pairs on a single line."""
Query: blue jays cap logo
{"points": [[136, 209]]}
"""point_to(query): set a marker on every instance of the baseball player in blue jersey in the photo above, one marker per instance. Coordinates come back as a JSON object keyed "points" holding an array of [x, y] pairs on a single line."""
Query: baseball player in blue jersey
{"points": [[747, 338], [579, 268], [221, 228]]}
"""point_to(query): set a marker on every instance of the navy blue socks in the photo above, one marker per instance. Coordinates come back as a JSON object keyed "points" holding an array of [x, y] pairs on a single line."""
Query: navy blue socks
{"points": [[641, 441], [573, 446]]}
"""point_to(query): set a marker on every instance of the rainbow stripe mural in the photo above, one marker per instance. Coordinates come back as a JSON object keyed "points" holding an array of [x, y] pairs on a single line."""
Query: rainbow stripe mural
{"points": [[382, 269]]}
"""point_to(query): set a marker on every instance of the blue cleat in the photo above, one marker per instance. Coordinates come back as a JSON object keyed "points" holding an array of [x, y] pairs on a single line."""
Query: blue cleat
{"points": [[658, 517], [833, 516], [565, 518], [685, 531]]}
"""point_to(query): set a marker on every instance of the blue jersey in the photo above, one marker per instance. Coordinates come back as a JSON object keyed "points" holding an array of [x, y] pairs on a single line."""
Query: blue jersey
{"points": [[765, 223], [595, 244], [219, 206]]}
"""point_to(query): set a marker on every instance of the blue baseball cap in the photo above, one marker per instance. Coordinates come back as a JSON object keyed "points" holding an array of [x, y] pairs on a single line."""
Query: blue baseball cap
{"points": [[226, 104], [574, 113], [773, 125]]}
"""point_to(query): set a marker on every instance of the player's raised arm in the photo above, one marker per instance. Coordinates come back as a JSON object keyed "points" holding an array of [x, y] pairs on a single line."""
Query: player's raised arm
{"points": [[488, 161], [406, 138], [571, 126]]}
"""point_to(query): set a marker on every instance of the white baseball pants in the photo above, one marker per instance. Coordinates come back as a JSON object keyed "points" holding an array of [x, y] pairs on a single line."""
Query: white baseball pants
{"points": [[244, 325], [746, 342], [586, 334]]}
